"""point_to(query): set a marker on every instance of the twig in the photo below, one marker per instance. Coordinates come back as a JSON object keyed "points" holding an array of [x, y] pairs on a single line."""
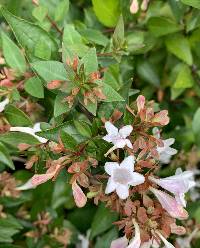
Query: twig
{"points": [[54, 24]]}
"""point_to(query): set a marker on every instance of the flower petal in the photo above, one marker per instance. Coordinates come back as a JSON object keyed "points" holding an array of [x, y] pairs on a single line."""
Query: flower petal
{"points": [[128, 163], [107, 138], [169, 142], [111, 186], [137, 179], [110, 128], [167, 244], [26, 186], [110, 166], [119, 143], [128, 143], [3, 104], [170, 204], [119, 243], [125, 131], [136, 241], [122, 191]]}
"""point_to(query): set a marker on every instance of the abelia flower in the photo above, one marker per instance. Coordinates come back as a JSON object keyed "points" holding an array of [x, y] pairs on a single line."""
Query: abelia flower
{"points": [[170, 204], [152, 243], [79, 197], [165, 152], [166, 243], [117, 137], [36, 128], [186, 241], [38, 179], [3, 104], [123, 242], [134, 7], [179, 184], [84, 240], [122, 176], [119, 243]]}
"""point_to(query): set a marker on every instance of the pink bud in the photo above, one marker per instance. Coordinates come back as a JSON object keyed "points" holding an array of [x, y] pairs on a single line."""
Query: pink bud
{"points": [[79, 197], [134, 7], [170, 204], [140, 102], [161, 118]]}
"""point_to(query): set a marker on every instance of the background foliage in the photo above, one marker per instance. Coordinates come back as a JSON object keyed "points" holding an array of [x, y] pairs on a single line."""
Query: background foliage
{"points": [[155, 52]]}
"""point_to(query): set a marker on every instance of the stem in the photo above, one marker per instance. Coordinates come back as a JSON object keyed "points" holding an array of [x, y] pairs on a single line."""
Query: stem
{"points": [[105, 54], [54, 24]]}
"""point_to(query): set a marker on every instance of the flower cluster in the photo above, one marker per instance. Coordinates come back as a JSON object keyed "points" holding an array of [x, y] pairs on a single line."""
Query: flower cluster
{"points": [[149, 206]]}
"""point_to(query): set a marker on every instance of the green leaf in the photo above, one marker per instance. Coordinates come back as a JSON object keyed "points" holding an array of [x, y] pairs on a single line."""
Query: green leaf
{"points": [[193, 3], [13, 56], [160, 26], [196, 126], [147, 72], [40, 13], [50, 70], [91, 107], [68, 127], [118, 36], [60, 106], [107, 12], [196, 122], [73, 40], [68, 141], [15, 138], [16, 117], [42, 50], [180, 47], [184, 78], [61, 10], [8, 227], [5, 157], [110, 93], [34, 87], [102, 221], [94, 36], [28, 34], [90, 61], [105, 240], [83, 128]]}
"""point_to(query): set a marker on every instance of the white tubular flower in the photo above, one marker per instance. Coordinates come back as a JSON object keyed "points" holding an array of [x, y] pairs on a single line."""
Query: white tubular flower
{"points": [[152, 243], [165, 152], [186, 241], [166, 243], [136, 241], [122, 176], [84, 240], [119, 243], [179, 184], [3, 104], [117, 137], [170, 204], [36, 128], [123, 242]]}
